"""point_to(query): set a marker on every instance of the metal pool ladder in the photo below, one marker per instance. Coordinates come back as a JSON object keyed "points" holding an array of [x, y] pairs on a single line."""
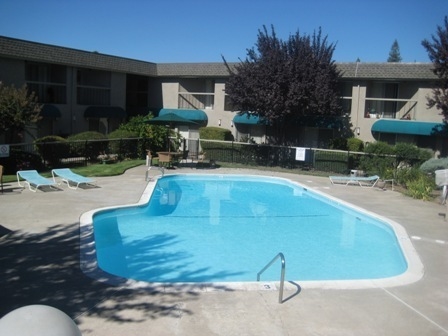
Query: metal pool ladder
{"points": [[282, 274]]}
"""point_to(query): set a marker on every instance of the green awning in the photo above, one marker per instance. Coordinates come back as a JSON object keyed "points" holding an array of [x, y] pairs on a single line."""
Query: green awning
{"points": [[408, 127], [105, 112], [248, 119], [197, 116], [50, 111]]}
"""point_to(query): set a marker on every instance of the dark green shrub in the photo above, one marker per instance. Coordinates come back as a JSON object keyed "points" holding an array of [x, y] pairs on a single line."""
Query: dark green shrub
{"points": [[410, 154], [124, 143], [89, 135], [52, 149], [88, 144], [338, 143], [215, 133], [406, 174], [379, 160], [355, 145], [20, 160], [336, 162], [122, 134]]}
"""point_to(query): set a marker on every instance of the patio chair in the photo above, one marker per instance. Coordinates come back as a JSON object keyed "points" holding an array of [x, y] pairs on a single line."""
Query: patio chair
{"points": [[72, 179], [362, 181], [33, 178]]}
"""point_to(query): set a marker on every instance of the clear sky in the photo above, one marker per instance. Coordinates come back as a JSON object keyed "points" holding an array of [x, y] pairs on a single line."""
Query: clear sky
{"points": [[165, 31]]}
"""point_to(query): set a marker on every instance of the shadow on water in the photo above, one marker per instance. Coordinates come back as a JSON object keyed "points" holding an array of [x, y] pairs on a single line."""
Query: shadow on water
{"points": [[155, 257], [44, 268]]}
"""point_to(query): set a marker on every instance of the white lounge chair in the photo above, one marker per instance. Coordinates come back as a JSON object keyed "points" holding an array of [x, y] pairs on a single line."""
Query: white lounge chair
{"points": [[359, 180], [33, 178], [72, 179]]}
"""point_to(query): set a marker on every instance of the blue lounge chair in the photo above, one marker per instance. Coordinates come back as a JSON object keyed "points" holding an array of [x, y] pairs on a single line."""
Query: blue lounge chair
{"points": [[33, 178], [72, 179], [359, 180]]}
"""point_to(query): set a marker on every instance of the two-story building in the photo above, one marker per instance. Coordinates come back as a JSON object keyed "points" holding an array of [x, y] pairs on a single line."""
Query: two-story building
{"points": [[83, 90]]}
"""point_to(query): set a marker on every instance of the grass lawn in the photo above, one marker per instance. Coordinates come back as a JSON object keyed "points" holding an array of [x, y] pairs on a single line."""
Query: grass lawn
{"points": [[93, 170]]}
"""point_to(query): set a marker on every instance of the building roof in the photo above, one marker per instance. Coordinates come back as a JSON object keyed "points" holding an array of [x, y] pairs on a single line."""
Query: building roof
{"points": [[192, 70], [39, 52], [417, 71]]}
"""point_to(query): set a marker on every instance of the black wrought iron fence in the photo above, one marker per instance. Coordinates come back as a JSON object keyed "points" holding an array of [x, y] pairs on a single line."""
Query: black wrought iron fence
{"points": [[70, 153], [280, 156]]}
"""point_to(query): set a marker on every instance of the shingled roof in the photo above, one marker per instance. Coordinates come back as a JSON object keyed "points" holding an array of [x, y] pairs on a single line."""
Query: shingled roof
{"points": [[408, 71], [192, 70], [39, 52]]}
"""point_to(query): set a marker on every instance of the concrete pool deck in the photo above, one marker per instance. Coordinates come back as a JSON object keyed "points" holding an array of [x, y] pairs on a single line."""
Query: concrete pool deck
{"points": [[39, 253]]}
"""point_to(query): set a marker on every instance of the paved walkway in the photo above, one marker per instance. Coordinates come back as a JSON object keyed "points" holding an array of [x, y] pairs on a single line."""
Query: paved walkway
{"points": [[39, 263]]}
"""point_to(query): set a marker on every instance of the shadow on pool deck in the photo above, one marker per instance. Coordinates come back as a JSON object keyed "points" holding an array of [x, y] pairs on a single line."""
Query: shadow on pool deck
{"points": [[39, 258]]}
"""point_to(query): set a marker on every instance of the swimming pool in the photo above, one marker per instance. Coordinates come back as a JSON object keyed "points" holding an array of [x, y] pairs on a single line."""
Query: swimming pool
{"points": [[202, 228]]}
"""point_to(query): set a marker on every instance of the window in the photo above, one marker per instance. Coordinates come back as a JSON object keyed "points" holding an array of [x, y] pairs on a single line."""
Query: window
{"points": [[136, 91], [47, 81], [93, 87], [196, 94], [345, 91], [227, 104], [381, 100]]}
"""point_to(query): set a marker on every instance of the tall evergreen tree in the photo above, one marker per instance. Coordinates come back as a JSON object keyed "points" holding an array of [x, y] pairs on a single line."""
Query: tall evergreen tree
{"points": [[283, 81], [394, 54], [437, 49]]}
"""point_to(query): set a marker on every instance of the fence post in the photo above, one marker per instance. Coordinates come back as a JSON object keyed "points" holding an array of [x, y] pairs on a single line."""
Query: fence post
{"points": [[348, 161]]}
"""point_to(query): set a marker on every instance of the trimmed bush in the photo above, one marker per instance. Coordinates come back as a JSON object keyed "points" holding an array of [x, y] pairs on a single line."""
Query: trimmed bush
{"points": [[96, 145], [52, 149], [411, 154], [338, 143], [355, 145], [328, 161], [215, 133], [90, 135]]}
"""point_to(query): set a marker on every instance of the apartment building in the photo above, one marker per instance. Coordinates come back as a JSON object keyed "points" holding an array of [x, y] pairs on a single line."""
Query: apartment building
{"points": [[85, 90]]}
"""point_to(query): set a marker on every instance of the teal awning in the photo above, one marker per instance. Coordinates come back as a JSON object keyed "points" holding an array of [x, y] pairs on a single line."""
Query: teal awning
{"points": [[408, 127], [198, 116], [105, 112], [248, 119], [50, 111]]}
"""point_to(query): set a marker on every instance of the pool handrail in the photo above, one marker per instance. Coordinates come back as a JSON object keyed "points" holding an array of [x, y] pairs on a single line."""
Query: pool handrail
{"points": [[282, 274]]}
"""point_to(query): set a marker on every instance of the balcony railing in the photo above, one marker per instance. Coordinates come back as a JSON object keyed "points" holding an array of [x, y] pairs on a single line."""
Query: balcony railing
{"points": [[390, 108]]}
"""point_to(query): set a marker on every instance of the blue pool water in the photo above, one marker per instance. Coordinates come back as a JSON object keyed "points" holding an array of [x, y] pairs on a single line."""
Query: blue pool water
{"points": [[208, 228]]}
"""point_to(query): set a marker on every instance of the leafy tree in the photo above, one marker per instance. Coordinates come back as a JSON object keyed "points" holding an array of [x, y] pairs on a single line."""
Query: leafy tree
{"points": [[18, 108], [158, 135], [284, 81], [394, 54], [437, 49]]}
